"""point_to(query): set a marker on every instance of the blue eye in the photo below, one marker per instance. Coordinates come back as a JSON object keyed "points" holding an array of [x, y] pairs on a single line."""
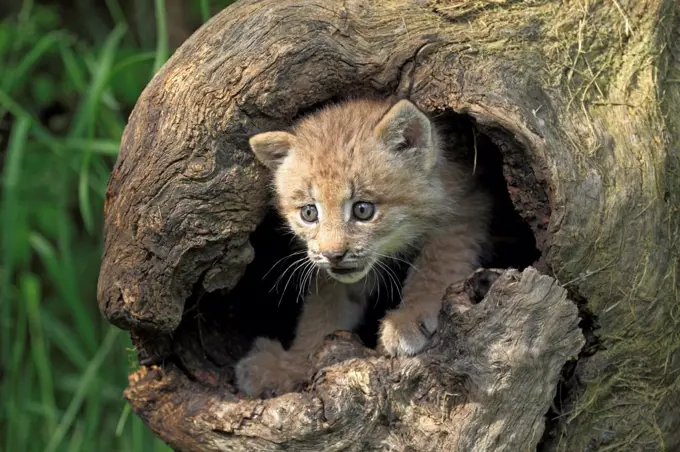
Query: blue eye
{"points": [[309, 214], [363, 211]]}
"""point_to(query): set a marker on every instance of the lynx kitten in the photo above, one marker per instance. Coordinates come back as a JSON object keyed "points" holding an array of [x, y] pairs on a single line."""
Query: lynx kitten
{"points": [[361, 183]]}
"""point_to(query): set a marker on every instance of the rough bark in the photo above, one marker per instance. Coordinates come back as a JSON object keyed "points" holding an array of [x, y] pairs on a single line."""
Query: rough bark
{"points": [[485, 384], [583, 101]]}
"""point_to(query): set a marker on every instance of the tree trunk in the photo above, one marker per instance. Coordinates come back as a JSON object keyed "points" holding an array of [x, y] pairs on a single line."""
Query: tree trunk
{"points": [[582, 100]]}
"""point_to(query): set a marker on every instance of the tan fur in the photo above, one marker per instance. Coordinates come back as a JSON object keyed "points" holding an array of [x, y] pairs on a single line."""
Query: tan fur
{"points": [[389, 155]]}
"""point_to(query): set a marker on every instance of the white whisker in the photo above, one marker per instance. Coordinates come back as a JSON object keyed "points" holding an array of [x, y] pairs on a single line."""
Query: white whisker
{"points": [[283, 258], [397, 259], [301, 286], [316, 279], [293, 266], [394, 280], [305, 281]]}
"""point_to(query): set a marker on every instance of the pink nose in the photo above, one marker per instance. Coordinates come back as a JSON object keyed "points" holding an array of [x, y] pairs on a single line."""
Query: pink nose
{"points": [[334, 256]]}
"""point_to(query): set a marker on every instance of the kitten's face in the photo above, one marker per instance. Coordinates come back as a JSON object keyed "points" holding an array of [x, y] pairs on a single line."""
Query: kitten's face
{"points": [[355, 183]]}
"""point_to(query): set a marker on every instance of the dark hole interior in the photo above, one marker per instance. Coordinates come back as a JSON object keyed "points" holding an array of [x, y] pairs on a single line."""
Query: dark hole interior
{"points": [[267, 299]]}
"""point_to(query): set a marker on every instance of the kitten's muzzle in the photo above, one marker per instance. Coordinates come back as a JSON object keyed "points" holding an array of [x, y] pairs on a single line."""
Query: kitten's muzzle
{"points": [[342, 265], [334, 256], [345, 270], [347, 275]]}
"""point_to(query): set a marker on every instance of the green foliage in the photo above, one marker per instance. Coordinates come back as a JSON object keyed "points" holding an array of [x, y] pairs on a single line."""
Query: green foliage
{"points": [[65, 93]]}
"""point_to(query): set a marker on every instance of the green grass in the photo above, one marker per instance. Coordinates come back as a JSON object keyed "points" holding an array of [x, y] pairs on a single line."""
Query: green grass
{"points": [[65, 92]]}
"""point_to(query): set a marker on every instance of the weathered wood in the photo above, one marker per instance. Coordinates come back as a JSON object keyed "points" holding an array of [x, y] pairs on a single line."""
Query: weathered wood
{"points": [[485, 384], [582, 99]]}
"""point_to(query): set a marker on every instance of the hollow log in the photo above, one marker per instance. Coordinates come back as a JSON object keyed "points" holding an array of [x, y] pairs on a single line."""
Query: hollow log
{"points": [[485, 384], [580, 101]]}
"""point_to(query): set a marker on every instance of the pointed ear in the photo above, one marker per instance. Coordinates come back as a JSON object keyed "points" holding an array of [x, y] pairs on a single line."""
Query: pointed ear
{"points": [[405, 128], [271, 148]]}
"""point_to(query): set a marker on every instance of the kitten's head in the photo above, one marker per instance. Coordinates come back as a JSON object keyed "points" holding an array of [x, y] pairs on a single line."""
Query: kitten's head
{"points": [[356, 182]]}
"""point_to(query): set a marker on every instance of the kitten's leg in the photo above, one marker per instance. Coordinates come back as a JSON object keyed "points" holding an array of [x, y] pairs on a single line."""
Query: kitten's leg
{"points": [[269, 370], [449, 256]]}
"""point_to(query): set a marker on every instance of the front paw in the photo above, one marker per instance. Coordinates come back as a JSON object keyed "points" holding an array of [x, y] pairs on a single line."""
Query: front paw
{"points": [[269, 371], [405, 332]]}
